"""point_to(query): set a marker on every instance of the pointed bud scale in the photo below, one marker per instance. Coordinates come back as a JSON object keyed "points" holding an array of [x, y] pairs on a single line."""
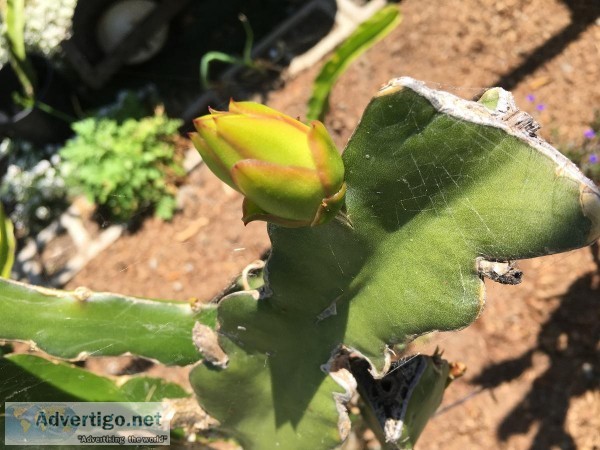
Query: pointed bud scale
{"points": [[290, 173]]}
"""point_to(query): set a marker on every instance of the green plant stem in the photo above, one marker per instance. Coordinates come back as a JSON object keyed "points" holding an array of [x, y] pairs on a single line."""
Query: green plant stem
{"points": [[244, 61], [27, 102], [104, 324], [7, 244], [12, 11], [247, 55], [54, 112], [364, 37]]}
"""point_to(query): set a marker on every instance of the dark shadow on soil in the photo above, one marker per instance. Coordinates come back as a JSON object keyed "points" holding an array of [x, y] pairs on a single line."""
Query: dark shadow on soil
{"points": [[570, 339], [583, 14]]}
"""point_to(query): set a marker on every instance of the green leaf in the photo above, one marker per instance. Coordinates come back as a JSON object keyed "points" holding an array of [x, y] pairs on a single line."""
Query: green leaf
{"points": [[14, 18], [74, 324], [434, 183], [363, 38], [80, 384], [18, 384], [164, 208], [73, 381], [7, 244]]}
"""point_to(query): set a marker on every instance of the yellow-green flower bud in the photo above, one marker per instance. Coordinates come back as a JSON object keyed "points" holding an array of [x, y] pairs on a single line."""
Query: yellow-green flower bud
{"points": [[290, 173]]}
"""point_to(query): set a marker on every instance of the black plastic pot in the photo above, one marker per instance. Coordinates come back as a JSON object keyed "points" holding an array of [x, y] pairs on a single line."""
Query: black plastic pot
{"points": [[33, 124]]}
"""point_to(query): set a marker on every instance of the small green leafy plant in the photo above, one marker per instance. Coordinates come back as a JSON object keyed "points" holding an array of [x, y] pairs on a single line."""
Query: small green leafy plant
{"points": [[244, 61], [125, 168]]}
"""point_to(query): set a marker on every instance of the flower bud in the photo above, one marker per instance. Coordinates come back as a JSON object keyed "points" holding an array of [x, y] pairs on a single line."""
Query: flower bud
{"points": [[290, 173]]}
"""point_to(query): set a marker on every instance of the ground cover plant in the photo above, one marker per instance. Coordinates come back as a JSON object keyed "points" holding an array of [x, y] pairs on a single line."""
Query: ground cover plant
{"points": [[124, 167], [35, 190], [32, 189], [437, 193]]}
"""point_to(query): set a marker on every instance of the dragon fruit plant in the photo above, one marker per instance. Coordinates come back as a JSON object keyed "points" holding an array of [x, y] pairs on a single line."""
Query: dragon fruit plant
{"points": [[390, 241]]}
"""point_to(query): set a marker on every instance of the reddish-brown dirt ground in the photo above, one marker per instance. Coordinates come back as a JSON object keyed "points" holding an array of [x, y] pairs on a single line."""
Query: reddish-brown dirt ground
{"points": [[533, 360]]}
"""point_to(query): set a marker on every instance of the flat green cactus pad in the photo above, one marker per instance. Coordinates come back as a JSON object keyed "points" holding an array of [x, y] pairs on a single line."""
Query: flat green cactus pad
{"points": [[435, 183]]}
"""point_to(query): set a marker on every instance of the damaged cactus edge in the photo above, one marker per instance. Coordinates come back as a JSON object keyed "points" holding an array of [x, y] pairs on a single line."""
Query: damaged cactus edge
{"points": [[399, 419], [507, 116]]}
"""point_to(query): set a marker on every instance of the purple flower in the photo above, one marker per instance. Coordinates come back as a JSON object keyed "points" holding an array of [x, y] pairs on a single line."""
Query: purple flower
{"points": [[540, 107], [589, 133], [530, 97], [593, 158]]}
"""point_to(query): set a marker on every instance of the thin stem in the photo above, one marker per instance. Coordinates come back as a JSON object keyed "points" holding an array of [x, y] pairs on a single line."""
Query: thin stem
{"points": [[247, 55], [245, 60], [54, 112], [26, 102]]}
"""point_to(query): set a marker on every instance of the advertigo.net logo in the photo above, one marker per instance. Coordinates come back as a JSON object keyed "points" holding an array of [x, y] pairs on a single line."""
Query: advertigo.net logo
{"points": [[75, 423]]}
